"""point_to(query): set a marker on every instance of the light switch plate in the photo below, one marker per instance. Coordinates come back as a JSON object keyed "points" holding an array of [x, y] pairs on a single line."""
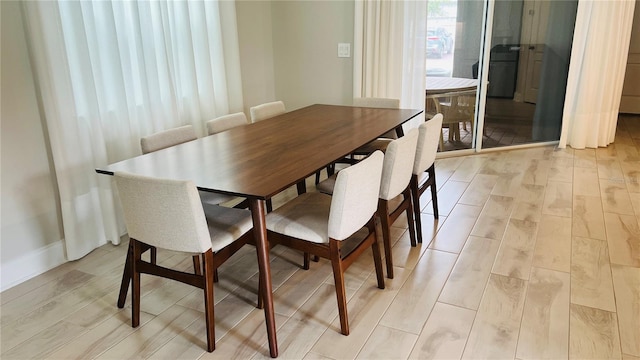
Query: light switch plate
{"points": [[344, 50]]}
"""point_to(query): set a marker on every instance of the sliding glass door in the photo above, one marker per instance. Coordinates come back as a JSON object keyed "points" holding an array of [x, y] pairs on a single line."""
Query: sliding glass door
{"points": [[502, 64]]}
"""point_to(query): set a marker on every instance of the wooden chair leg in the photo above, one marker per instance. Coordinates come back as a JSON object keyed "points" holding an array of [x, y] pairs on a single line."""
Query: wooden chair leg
{"points": [[434, 191], [135, 282], [196, 265], [305, 263], [209, 300], [269, 205], [377, 257], [154, 254], [415, 197], [338, 277], [410, 222], [126, 277], [383, 213]]}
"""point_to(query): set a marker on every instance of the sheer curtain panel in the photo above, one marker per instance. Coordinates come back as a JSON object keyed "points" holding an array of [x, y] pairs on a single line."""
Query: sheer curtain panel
{"points": [[390, 50], [596, 74], [110, 72]]}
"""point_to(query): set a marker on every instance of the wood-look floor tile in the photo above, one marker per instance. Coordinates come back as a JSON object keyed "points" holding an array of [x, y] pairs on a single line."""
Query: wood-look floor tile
{"points": [[365, 310], [155, 333], [298, 334], [610, 169], [585, 181], [553, 243], [103, 336], [430, 227], [626, 284], [635, 202], [467, 281], [609, 152], [508, 184], [478, 190], [468, 168], [585, 158], [45, 342], [537, 173], [388, 343], [561, 169], [20, 330], [558, 199], [544, 333], [494, 217], [631, 170], [626, 151], [516, 250], [528, 203], [593, 334], [591, 283], [422, 287], [448, 197], [588, 217], [494, 334], [445, 333], [248, 339], [615, 197], [623, 236], [455, 230], [16, 309]]}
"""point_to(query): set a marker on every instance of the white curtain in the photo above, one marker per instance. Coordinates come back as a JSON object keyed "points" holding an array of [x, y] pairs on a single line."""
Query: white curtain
{"points": [[389, 51], [109, 72], [596, 74]]}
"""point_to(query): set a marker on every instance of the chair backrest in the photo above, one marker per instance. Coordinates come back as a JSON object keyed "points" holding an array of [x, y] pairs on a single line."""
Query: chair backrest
{"points": [[226, 122], [163, 213], [266, 111], [377, 103], [383, 103], [398, 165], [355, 196], [428, 138], [167, 138]]}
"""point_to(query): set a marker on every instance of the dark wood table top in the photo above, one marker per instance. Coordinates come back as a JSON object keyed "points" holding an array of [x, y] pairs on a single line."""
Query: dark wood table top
{"points": [[259, 160]]}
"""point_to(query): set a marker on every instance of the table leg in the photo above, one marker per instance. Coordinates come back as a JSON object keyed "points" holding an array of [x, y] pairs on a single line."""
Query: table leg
{"points": [[302, 187], [262, 246]]}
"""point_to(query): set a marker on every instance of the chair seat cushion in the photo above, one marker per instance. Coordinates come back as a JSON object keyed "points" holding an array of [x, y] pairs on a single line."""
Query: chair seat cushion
{"points": [[326, 186], [377, 144], [226, 224], [305, 217], [214, 198]]}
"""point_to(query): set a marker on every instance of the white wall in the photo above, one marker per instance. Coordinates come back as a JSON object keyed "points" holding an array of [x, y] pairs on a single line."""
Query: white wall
{"points": [[288, 52], [305, 42], [30, 221], [256, 52]]}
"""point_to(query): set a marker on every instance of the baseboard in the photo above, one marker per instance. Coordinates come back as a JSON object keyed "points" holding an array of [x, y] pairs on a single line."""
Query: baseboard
{"points": [[32, 264]]}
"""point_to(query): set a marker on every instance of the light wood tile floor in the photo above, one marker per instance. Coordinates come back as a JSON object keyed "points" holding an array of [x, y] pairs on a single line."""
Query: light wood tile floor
{"points": [[536, 255]]}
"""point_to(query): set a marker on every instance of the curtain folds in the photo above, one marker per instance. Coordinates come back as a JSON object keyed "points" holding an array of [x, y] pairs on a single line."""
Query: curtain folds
{"points": [[110, 72], [596, 74], [390, 51]]}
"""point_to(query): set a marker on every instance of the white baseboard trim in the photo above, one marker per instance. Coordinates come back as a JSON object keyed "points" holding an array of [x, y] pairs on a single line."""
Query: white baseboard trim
{"points": [[32, 264]]}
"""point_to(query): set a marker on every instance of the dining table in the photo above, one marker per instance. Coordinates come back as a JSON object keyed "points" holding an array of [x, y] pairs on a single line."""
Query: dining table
{"points": [[259, 160]]}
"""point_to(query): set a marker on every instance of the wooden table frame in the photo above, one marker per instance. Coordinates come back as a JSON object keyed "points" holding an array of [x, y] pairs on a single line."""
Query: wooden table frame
{"points": [[260, 160]]}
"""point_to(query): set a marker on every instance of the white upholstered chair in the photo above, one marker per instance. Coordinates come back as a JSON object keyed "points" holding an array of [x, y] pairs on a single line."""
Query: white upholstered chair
{"points": [[168, 214], [428, 139], [226, 122], [176, 136], [396, 174], [320, 224], [381, 142], [167, 138], [266, 111]]}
